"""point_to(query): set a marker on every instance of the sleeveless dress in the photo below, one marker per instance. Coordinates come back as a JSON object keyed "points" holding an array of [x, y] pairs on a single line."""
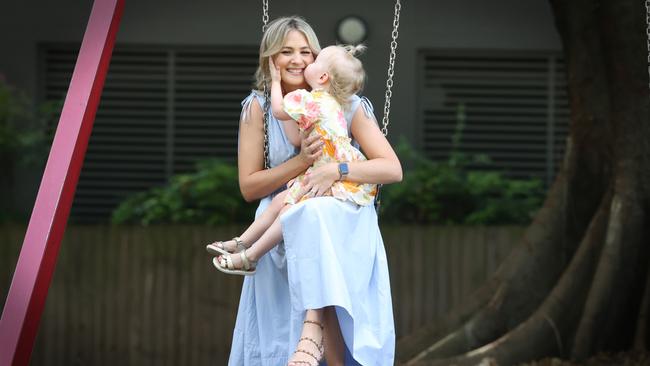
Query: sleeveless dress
{"points": [[332, 254], [318, 109]]}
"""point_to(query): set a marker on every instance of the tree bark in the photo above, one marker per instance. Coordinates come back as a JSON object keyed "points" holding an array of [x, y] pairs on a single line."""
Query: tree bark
{"points": [[558, 293]]}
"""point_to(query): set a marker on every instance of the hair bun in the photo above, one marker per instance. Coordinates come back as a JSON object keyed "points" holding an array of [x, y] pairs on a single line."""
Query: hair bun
{"points": [[355, 50]]}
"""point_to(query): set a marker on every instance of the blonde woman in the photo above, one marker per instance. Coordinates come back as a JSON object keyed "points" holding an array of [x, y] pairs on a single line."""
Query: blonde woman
{"points": [[328, 282]]}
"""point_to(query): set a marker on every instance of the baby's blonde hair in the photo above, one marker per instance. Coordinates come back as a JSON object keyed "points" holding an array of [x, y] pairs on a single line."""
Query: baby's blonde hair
{"points": [[347, 76], [273, 40]]}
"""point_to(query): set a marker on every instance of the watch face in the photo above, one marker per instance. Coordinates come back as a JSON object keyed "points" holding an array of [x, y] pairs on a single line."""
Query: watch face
{"points": [[343, 169]]}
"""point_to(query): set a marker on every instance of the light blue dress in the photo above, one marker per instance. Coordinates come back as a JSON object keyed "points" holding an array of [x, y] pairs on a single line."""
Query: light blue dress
{"points": [[332, 254]]}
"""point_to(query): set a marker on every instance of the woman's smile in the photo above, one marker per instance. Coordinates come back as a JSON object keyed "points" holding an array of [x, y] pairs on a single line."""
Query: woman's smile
{"points": [[296, 71]]}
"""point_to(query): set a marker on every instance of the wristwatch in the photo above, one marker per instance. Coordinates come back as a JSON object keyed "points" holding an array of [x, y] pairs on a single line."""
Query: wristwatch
{"points": [[343, 170]]}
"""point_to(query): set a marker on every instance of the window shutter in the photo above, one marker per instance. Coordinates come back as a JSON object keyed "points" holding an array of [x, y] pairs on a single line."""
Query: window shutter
{"points": [[515, 108], [162, 109], [210, 85]]}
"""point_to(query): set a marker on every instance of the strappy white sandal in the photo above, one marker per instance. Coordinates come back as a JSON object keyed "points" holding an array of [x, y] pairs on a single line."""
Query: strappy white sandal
{"points": [[217, 248], [225, 264]]}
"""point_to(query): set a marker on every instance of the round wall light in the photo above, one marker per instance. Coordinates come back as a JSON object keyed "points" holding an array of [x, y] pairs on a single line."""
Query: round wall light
{"points": [[352, 30]]}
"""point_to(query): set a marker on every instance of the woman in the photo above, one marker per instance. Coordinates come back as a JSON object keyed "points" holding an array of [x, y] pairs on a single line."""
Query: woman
{"points": [[331, 269]]}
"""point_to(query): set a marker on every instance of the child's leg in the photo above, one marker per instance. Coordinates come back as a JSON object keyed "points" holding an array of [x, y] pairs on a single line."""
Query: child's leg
{"points": [[257, 228], [271, 237], [268, 240], [264, 221]]}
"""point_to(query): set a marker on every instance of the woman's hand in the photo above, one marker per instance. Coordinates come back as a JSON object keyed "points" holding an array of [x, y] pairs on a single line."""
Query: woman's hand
{"points": [[274, 71], [319, 180], [311, 147]]}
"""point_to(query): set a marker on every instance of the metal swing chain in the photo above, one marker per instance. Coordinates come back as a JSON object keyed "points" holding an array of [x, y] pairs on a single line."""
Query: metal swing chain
{"points": [[389, 86], [647, 21], [267, 96], [265, 14], [391, 68]]}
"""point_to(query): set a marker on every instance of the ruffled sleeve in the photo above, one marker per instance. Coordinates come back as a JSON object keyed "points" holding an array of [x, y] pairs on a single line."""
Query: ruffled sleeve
{"points": [[302, 107]]}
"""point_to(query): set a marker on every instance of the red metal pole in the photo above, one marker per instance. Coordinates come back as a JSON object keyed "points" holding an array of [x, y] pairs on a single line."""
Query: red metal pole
{"points": [[26, 299]]}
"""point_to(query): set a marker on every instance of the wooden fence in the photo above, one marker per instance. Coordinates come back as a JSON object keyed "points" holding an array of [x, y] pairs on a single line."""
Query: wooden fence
{"points": [[149, 296]]}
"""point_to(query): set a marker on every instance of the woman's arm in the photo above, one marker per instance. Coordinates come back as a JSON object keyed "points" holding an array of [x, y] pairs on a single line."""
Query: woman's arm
{"points": [[256, 182], [382, 165]]}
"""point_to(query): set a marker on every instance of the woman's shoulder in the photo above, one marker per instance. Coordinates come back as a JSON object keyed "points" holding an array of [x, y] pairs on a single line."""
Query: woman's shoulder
{"points": [[357, 101], [247, 103], [252, 95]]}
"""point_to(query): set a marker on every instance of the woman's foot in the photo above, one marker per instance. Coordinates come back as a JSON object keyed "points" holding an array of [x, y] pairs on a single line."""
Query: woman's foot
{"points": [[309, 350], [238, 264], [234, 245]]}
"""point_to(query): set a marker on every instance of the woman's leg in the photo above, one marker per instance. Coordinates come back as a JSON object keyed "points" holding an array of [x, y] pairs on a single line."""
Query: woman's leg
{"points": [[262, 223], [309, 350], [334, 345]]}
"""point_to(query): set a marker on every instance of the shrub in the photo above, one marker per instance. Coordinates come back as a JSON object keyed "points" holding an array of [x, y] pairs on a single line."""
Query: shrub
{"points": [[449, 192], [210, 195], [24, 142]]}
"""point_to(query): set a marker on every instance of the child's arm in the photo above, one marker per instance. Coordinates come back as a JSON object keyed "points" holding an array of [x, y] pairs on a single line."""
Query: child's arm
{"points": [[290, 126]]}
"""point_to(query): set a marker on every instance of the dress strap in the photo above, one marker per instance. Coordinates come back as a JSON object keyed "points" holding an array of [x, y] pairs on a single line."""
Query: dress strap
{"points": [[247, 102], [368, 109]]}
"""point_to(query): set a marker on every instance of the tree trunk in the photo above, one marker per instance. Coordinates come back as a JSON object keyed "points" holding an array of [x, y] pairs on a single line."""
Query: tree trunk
{"points": [[575, 285]]}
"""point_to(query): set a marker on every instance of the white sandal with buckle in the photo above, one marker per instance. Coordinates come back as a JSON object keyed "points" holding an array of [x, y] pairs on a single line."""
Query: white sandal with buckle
{"points": [[217, 248], [225, 264]]}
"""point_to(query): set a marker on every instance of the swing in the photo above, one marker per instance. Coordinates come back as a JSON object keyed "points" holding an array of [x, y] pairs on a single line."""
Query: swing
{"points": [[388, 94]]}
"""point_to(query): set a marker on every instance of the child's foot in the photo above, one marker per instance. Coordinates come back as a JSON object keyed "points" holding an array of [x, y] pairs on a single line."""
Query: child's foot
{"points": [[233, 245], [309, 350], [237, 263]]}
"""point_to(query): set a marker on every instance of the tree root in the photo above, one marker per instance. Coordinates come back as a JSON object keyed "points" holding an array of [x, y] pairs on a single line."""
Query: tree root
{"points": [[611, 285], [548, 330], [411, 345], [641, 332]]}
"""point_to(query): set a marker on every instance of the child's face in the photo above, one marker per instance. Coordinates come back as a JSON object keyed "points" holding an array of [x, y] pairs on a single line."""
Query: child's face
{"points": [[316, 73]]}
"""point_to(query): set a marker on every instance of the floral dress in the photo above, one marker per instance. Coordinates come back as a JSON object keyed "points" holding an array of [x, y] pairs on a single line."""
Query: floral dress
{"points": [[320, 110]]}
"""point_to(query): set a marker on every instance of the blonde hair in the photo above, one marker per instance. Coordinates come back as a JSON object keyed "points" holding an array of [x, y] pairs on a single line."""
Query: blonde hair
{"points": [[273, 40], [347, 76]]}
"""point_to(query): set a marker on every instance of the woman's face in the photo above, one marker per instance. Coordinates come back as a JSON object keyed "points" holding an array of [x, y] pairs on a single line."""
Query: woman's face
{"points": [[292, 60]]}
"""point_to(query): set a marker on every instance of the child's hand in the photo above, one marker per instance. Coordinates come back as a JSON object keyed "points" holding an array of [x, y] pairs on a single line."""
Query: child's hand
{"points": [[274, 71], [311, 147]]}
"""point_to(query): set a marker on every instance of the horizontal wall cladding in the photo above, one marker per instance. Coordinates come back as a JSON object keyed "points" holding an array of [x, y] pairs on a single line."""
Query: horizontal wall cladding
{"points": [[163, 108], [510, 106]]}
